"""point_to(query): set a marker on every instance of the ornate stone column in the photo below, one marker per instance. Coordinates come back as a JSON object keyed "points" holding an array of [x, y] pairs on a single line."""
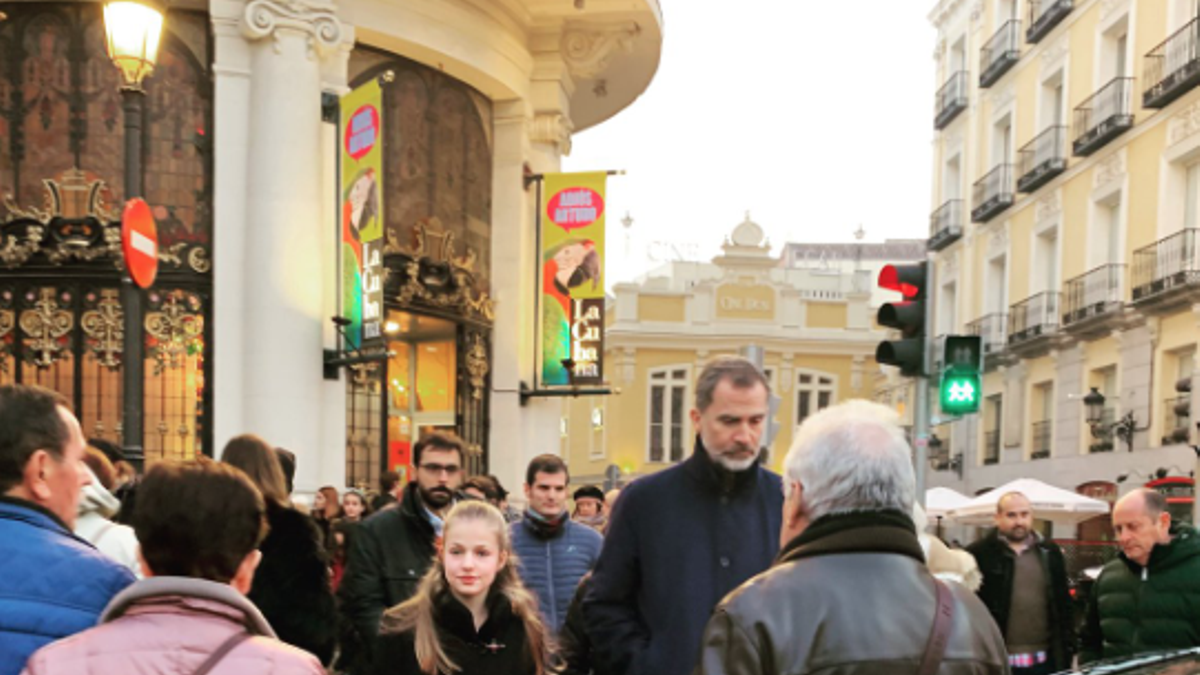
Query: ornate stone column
{"points": [[272, 276]]}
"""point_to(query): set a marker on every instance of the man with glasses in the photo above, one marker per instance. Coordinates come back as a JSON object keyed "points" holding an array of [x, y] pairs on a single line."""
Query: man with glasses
{"points": [[54, 584], [392, 550]]}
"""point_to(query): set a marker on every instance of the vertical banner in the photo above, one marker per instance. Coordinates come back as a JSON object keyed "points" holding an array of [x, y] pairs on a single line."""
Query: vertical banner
{"points": [[572, 215], [362, 212]]}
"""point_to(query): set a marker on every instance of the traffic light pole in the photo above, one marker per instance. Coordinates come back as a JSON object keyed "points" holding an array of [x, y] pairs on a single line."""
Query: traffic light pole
{"points": [[921, 409]]}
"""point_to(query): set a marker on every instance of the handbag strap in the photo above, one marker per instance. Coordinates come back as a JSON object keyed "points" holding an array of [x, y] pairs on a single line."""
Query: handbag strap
{"points": [[222, 651], [939, 637]]}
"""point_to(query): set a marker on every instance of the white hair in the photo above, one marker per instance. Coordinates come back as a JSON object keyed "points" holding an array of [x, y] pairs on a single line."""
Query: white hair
{"points": [[852, 457]]}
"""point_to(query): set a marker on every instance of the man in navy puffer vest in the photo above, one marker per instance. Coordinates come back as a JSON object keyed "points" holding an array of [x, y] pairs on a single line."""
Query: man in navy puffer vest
{"points": [[553, 552], [52, 583]]}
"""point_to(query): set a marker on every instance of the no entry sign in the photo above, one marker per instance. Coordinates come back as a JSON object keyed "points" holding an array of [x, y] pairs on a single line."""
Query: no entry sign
{"points": [[139, 241]]}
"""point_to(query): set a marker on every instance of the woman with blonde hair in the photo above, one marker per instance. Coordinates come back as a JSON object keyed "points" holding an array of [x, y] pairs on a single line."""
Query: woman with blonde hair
{"points": [[471, 615]]}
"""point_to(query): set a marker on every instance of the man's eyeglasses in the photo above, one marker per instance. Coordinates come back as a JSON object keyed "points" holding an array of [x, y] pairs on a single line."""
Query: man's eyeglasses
{"points": [[448, 469]]}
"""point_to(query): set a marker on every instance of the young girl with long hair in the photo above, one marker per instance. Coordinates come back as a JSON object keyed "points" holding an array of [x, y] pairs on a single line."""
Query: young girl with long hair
{"points": [[471, 614]]}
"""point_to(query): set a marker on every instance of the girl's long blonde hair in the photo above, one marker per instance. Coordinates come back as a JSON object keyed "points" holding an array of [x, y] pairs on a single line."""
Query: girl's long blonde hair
{"points": [[417, 613]]}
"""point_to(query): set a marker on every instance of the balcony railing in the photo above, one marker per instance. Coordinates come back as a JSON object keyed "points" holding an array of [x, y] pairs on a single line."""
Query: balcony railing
{"points": [[950, 100], [1167, 264], [1041, 439], [992, 194], [1105, 115], [991, 447], [1044, 15], [1093, 294], [1033, 317], [1102, 439], [990, 327], [1000, 53], [1177, 412], [1042, 159], [1172, 68], [946, 225]]}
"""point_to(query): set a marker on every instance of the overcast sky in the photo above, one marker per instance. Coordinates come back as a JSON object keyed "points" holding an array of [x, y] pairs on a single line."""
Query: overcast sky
{"points": [[814, 116]]}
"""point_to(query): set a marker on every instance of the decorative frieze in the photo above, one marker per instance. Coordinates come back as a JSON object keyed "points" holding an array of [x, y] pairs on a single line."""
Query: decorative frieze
{"points": [[587, 48], [997, 242], [552, 128], [1184, 124], [1048, 208]]}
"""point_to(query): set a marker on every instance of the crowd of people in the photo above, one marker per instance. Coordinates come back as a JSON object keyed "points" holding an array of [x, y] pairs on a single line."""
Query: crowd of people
{"points": [[714, 566]]}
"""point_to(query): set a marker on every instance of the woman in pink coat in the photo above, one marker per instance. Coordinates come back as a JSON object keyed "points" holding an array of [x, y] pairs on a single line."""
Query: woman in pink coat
{"points": [[199, 524]]}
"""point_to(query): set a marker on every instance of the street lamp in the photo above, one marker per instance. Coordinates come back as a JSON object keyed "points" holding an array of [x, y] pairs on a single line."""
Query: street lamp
{"points": [[133, 31], [1124, 428]]}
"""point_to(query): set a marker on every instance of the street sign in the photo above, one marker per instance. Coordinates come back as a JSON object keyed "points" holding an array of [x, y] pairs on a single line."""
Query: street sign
{"points": [[139, 242]]}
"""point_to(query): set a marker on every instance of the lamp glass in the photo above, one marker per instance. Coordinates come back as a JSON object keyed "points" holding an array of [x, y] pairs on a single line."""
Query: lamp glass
{"points": [[133, 31], [1095, 406]]}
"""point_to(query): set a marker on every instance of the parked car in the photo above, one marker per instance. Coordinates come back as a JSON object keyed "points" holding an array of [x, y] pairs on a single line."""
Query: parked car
{"points": [[1175, 662]]}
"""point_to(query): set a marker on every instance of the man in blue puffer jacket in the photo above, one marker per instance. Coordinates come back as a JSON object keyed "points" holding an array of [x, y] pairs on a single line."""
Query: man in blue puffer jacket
{"points": [[52, 583], [553, 552]]}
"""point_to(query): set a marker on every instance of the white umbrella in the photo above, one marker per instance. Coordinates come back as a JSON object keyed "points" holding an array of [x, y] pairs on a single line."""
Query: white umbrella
{"points": [[939, 501], [1047, 502]]}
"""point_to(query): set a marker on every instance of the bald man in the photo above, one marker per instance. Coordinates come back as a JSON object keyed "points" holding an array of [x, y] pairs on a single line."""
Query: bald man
{"points": [[1155, 582], [1025, 589]]}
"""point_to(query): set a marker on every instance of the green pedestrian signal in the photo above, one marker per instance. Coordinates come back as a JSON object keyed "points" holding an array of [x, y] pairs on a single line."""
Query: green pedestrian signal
{"points": [[960, 392], [961, 387]]}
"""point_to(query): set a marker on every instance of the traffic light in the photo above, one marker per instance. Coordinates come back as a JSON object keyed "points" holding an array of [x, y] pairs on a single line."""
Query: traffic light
{"points": [[960, 387], [908, 317]]}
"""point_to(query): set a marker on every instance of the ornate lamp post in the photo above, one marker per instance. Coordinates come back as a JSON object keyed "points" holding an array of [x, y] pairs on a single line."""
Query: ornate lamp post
{"points": [[133, 30]]}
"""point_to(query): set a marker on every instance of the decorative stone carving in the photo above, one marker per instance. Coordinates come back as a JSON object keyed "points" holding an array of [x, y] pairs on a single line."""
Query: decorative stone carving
{"points": [[317, 20], [1109, 169], [477, 366], [949, 270], [1048, 208], [997, 242], [552, 128], [587, 49], [1110, 7], [1184, 124], [1055, 51], [1003, 96]]}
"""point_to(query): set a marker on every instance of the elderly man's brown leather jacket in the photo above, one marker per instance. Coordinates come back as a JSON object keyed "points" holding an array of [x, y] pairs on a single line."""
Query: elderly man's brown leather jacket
{"points": [[850, 595]]}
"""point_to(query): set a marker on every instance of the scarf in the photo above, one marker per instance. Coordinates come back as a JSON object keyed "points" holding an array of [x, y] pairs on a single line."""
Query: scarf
{"points": [[543, 527], [596, 522]]}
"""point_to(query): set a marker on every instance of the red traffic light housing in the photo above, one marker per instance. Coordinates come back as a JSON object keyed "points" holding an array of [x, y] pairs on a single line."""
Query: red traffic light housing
{"points": [[908, 317]]}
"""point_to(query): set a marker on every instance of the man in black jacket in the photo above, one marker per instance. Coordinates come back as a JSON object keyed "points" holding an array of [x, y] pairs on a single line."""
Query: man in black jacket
{"points": [[1025, 590], [392, 549]]}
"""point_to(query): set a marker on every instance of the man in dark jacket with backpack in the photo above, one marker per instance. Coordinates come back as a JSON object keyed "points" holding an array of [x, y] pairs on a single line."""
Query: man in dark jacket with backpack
{"points": [[850, 591]]}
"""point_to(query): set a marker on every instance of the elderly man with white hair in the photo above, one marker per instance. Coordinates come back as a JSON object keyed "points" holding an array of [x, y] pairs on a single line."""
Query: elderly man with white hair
{"points": [[850, 591]]}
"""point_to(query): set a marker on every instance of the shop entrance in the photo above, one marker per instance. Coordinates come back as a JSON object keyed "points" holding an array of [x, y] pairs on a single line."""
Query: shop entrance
{"points": [[420, 382]]}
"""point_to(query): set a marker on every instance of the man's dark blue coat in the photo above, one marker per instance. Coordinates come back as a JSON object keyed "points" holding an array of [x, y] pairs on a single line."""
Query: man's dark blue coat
{"points": [[678, 541]]}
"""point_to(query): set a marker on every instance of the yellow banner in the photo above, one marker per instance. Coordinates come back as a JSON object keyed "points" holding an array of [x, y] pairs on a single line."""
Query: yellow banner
{"points": [[362, 212], [572, 215]]}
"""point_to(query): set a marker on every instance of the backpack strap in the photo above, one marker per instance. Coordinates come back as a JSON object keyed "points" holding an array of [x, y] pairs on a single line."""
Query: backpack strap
{"points": [[222, 651], [939, 636]]}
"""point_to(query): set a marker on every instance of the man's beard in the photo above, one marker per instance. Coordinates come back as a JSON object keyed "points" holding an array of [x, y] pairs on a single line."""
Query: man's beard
{"points": [[436, 497], [1011, 535], [735, 465]]}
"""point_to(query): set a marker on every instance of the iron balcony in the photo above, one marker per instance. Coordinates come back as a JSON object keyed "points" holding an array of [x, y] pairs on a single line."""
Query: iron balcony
{"points": [[1033, 320], [1042, 159], [1044, 15], [1093, 296], [1173, 67], [992, 194], [950, 100], [1166, 274], [1000, 53], [945, 225], [1105, 115]]}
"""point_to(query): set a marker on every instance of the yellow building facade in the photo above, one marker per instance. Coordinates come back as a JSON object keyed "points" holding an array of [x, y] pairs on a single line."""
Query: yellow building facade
{"points": [[815, 327], [1065, 210]]}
